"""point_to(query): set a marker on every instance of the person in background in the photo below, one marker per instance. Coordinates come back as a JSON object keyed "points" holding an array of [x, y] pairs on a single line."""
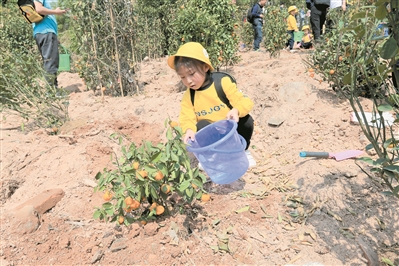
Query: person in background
{"points": [[301, 17], [318, 17], [45, 34], [192, 64], [257, 23], [307, 38], [291, 27], [335, 6]]}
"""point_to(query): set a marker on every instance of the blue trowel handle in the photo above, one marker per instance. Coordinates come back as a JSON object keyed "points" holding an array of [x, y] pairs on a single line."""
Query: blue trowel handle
{"points": [[314, 154]]}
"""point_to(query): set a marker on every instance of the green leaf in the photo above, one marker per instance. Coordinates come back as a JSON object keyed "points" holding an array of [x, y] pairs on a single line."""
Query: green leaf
{"points": [[366, 160], [189, 192], [97, 214], [197, 183], [358, 15], [389, 49], [109, 212], [107, 205], [169, 135], [347, 80], [244, 209], [381, 12], [98, 175], [154, 193], [392, 168], [387, 261], [396, 190], [380, 2], [369, 147], [184, 185], [385, 108], [376, 170], [387, 142], [380, 161]]}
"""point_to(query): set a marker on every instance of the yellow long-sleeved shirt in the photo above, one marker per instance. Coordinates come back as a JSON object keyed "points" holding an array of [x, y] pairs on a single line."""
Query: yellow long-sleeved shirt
{"points": [[307, 38], [291, 23], [207, 104]]}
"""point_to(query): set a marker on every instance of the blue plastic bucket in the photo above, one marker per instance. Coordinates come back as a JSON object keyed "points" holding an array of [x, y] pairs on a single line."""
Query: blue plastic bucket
{"points": [[221, 151]]}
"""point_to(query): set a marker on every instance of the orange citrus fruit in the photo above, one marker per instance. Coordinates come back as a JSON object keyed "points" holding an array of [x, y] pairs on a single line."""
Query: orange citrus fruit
{"points": [[340, 58], [128, 201], [205, 197], [159, 176], [121, 219], [165, 188], [173, 123], [107, 195], [143, 222], [311, 70], [135, 205], [159, 210], [128, 209], [143, 173], [194, 186], [153, 206], [311, 75], [332, 72], [136, 165]]}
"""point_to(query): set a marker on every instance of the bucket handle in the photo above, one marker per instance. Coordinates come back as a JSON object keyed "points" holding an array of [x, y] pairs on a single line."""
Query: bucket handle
{"points": [[63, 47], [243, 143]]}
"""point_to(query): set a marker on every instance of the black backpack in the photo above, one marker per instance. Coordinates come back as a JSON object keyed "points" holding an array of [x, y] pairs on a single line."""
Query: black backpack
{"points": [[217, 79], [29, 12], [250, 18]]}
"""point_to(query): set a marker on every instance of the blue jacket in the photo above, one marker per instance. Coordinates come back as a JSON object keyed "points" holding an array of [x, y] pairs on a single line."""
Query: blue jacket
{"points": [[256, 11]]}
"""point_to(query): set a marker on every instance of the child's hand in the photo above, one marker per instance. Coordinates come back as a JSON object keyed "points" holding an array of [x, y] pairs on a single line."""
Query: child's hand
{"points": [[233, 114], [189, 135]]}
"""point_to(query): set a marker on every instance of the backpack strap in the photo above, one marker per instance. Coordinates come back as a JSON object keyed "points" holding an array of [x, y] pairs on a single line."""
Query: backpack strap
{"points": [[217, 80]]}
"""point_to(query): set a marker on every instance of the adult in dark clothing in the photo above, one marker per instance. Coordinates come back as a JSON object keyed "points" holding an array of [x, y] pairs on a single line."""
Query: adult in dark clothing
{"points": [[318, 12], [257, 23]]}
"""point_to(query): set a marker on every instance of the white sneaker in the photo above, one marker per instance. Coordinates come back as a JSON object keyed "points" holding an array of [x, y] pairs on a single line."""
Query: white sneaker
{"points": [[251, 159]]}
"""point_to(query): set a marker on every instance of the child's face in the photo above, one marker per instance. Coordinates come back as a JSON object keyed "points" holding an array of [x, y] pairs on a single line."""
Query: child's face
{"points": [[193, 77], [305, 31]]}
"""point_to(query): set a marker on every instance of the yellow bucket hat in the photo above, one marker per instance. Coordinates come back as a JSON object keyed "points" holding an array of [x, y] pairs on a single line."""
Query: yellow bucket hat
{"points": [[192, 50], [306, 27], [291, 8]]}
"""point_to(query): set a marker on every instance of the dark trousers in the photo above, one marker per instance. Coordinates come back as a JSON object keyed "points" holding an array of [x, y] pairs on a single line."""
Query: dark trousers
{"points": [[306, 45], [290, 41], [317, 18], [48, 47], [257, 26], [245, 127]]}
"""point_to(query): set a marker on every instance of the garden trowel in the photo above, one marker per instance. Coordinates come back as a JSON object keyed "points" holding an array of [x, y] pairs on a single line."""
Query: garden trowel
{"points": [[339, 156]]}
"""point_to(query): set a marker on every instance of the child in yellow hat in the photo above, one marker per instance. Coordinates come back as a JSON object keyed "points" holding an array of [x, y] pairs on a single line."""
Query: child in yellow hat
{"points": [[307, 38], [291, 26], [194, 68]]}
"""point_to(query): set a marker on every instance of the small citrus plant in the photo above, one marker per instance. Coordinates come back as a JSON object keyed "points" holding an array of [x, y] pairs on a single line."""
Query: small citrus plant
{"points": [[145, 177]]}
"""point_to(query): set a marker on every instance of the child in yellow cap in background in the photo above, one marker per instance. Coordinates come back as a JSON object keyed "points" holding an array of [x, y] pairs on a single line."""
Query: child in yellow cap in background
{"points": [[193, 66], [291, 27], [307, 38]]}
